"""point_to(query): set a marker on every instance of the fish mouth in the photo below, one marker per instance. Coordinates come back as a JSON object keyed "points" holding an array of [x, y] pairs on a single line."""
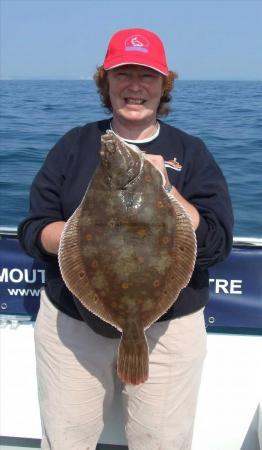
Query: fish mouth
{"points": [[119, 157]]}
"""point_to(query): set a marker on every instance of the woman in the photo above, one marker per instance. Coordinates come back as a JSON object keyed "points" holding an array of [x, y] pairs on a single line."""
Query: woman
{"points": [[76, 359]]}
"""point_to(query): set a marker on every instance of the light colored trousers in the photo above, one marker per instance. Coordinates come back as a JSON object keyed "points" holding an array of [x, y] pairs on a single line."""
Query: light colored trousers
{"points": [[76, 370]]}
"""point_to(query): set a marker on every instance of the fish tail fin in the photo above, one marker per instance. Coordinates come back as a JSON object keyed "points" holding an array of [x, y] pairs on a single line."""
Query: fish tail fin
{"points": [[133, 360]]}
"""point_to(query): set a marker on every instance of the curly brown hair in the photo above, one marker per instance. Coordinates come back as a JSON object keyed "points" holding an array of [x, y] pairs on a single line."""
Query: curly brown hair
{"points": [[101, 80]]}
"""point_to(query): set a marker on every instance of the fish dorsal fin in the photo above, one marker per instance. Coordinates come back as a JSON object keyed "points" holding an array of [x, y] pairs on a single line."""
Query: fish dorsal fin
{"points": [[73, 269]]}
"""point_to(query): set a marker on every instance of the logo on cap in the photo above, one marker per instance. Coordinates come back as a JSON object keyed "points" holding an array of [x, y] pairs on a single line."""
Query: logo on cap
{"points": [[137, 43]]}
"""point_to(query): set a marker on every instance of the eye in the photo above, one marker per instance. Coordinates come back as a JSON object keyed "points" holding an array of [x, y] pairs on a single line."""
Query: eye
{"points": [[122, 76], [149, 76]]}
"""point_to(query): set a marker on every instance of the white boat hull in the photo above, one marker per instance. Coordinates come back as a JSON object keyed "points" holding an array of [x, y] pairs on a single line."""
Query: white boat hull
{"points": [[229, 409]]}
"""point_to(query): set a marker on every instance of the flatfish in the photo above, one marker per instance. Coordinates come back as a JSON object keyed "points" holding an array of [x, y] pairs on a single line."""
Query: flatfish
{"points": [[128, 250]]}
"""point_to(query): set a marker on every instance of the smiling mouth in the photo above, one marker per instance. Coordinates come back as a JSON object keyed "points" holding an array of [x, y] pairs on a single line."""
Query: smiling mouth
{"points": [[134, 101]]}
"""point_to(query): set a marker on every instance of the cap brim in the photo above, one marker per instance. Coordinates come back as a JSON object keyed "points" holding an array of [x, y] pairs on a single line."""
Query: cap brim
{"points": [[113, 66]]}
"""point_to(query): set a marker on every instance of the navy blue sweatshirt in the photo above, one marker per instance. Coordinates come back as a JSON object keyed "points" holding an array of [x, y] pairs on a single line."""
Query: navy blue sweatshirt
{"points": [[59, 186]]}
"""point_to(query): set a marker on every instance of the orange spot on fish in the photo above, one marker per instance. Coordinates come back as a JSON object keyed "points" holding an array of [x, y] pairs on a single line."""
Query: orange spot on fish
{"points": [[94, 264], [142, 232], [125, 285], [160, 204], [141, 259], [89, 237], [156, 283]]}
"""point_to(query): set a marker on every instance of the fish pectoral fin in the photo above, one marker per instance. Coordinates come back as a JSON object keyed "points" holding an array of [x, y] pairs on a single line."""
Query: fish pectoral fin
{"points": [[133, 360]]}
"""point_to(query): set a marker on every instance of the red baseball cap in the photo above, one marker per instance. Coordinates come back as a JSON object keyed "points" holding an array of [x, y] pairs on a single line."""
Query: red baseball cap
{"points": [[136, 46]]}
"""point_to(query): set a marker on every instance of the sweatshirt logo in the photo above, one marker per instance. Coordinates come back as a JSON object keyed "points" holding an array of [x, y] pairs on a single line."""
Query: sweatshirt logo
{"points": [[174, 164]]}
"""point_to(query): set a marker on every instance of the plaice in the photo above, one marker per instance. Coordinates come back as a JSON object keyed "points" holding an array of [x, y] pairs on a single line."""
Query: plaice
{"points": [[128, 250]]}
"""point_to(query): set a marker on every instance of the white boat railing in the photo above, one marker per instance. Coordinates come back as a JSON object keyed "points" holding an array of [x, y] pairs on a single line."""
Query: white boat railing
{"points": [[246, 241]]}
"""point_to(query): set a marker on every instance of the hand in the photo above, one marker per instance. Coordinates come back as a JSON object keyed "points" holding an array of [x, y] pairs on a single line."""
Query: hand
{"points": [[50, 236], [159, 163]]}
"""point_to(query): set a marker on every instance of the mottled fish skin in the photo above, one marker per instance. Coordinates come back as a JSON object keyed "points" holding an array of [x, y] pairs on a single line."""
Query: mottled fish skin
{"points": [[128, 250]]}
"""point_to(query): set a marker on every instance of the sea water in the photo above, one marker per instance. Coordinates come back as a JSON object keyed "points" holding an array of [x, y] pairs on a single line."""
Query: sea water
{"points": [[226, 115]]}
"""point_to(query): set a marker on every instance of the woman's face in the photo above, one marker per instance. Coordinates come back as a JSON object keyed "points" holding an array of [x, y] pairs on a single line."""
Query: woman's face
{"points": [[135, 93]]}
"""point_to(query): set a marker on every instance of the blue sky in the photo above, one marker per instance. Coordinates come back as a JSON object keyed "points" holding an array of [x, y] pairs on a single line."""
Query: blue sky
{"points": [[64, 39]]}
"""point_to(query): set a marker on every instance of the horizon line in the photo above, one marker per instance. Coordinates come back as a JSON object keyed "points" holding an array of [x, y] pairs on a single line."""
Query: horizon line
{"points": [[47, 78]]}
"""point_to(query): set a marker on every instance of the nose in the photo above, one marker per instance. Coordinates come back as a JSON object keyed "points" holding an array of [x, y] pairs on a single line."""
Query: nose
{"points": [[134, 83]]}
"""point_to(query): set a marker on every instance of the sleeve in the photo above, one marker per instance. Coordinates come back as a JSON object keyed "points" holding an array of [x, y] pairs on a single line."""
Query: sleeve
{"points": [[45, 198], [206, 188]]}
